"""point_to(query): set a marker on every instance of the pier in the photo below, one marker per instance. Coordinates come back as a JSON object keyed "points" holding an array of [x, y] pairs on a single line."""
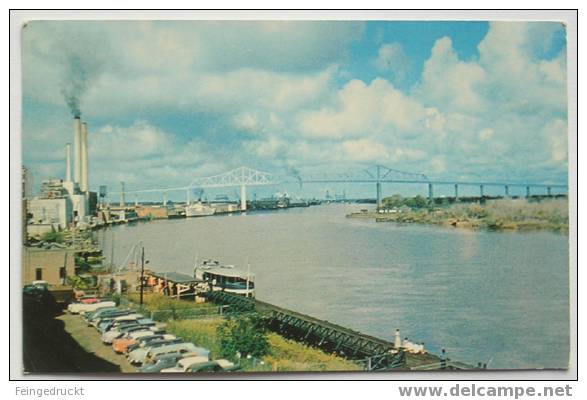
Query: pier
{"points": [[375, 353]]}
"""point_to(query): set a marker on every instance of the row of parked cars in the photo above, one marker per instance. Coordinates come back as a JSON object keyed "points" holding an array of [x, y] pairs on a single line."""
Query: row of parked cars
{"points": [[144, 342]]}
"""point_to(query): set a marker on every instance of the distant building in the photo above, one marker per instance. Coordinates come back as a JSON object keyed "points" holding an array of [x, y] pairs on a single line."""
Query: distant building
{"points": [[53, 189], [92, 202], [57, 212], [52, 266]]}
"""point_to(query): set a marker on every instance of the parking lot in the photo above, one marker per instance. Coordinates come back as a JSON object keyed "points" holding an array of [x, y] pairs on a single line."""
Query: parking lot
{"points": [[89, 339]]}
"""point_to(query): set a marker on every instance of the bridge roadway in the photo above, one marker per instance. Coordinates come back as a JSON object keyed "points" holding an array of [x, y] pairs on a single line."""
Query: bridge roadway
{"points": [[375, 353]]}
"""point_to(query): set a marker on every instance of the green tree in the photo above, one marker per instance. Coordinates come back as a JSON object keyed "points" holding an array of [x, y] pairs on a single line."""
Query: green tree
{"points": [[417, 202], [394, 201], [56, 237], [244, 335], [77, 283]]}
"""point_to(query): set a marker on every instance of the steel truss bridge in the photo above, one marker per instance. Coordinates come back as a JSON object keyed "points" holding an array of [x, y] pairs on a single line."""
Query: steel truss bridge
{"points": [[376, 175]]}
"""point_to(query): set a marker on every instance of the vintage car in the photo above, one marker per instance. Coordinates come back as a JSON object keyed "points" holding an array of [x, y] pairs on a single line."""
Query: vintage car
{"points": [[145, 341], [121, 344], [162, 362], [214, 366], [176, 348], [88, 300], [137, 356], [112, 323], [76, 308], [183, 364], [108, 315], [89, 316]]}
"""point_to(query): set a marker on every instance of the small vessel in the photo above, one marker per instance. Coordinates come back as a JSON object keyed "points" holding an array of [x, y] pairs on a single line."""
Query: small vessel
{"points": [[199, 210], [227, 278]]}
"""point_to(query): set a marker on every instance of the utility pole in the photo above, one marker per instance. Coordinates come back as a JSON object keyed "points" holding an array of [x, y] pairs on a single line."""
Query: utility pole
{"points": [[248, 277], [142, 273], [112, 252]]}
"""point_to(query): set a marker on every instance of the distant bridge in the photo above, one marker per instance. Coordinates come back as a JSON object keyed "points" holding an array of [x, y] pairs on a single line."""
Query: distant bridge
{"points": [[377, 174]]}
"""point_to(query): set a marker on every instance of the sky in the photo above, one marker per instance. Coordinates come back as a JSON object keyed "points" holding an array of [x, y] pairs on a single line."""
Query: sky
{"points": [[170, 101]]}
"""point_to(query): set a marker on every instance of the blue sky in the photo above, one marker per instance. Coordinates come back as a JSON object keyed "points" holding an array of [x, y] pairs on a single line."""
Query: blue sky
{"points": [[169, 101]]}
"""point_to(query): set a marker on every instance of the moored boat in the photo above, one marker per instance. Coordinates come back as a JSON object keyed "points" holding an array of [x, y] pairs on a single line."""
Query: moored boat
{"points": [[199, 210], [227, 278]]}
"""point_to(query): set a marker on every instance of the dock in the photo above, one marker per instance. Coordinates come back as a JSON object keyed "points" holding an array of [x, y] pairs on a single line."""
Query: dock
{"points": [[377, 354]]}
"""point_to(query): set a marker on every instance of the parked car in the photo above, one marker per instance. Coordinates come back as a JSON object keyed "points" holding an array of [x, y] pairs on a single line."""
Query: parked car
{"points": [[112, 334], [145, 341], [109, 315], [122, 321], [89, 316], [40, 284], [183, 364], [165, 361], [121, 344], [137, 356], [88, 300], [179, 348], [214, 366], [76, 308], [110, 324]]}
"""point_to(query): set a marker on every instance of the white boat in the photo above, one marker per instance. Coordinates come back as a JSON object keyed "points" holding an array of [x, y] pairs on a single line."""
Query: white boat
{"points": [[227, 278], [199, 210]]}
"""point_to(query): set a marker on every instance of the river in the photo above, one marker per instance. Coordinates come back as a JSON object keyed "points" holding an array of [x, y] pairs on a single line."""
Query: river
{"points": [[492, 297]]}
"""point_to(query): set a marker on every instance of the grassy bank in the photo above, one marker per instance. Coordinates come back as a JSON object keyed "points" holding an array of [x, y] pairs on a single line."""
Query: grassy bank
{"points": [[502, 215], [284, 354]]}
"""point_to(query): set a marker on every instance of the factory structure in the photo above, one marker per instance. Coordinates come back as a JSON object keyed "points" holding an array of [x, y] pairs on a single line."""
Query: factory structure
{"points": [[65, 202]]}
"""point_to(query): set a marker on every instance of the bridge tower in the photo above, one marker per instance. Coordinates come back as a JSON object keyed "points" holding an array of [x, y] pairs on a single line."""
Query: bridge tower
{"points": [[243, 205], [378, 187]]}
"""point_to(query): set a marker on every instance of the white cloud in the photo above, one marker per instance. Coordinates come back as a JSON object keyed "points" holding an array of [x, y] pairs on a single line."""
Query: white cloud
{"points": [[364, 150], [163, 61], [392, 59], [518, 80], [449, 83], [246, 122], [277, 93], [140, 140], [555, 133], [360, 109]]}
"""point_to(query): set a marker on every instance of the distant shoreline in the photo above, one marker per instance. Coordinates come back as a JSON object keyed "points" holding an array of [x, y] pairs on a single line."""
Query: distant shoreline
{"points": [[505, 215]]}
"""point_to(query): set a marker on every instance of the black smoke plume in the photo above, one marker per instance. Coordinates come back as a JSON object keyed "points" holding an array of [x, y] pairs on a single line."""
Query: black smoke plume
{"points": [[75, 84]]}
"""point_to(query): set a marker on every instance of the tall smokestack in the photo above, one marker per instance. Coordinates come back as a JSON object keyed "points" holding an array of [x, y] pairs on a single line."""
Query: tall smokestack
{"points": [[77, 148], [84, 158], [68, 162]]}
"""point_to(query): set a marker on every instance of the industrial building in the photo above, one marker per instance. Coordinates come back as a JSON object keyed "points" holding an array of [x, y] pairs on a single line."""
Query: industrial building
{"points": [[65, 202], [57, 213]]}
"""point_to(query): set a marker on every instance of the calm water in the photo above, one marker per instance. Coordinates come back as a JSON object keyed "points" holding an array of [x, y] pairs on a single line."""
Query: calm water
{"points": [[491, 297]]}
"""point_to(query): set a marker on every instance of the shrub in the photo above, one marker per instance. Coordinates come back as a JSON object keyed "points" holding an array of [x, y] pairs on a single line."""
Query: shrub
{"points": [[244, 335], [56, 237], [77, 283]]}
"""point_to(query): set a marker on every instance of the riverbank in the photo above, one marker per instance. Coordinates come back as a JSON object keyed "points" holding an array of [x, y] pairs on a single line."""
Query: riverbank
{"points": [[284, 355], [497, 215]]}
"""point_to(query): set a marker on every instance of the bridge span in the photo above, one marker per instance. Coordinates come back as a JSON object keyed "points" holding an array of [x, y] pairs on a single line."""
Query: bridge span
{"points": [[243, 177]]}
